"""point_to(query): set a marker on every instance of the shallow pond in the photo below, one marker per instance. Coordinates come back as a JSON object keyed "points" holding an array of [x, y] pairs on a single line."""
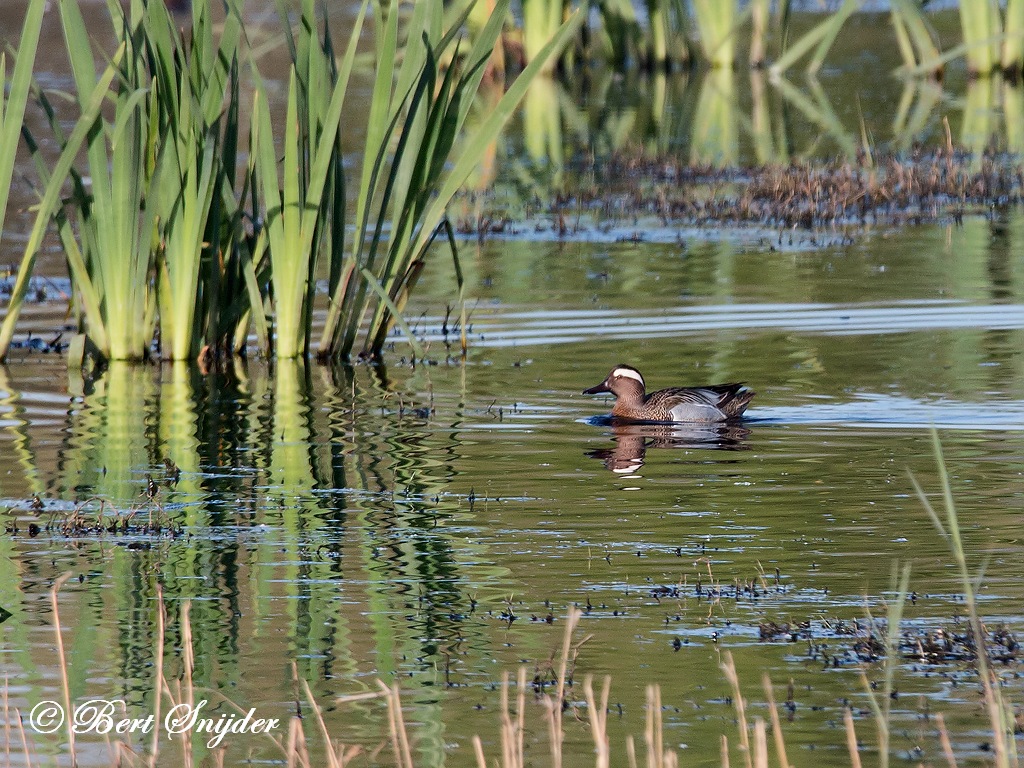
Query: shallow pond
{"points": [[433, 525]]}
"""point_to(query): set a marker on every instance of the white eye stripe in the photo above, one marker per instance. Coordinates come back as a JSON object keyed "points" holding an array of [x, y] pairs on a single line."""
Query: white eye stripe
{"points": [[627, 373]]}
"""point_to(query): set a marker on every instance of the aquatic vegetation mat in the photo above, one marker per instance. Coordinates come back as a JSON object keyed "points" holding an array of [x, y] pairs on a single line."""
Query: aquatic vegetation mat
{"points": [[641, 194], [93, 517]]}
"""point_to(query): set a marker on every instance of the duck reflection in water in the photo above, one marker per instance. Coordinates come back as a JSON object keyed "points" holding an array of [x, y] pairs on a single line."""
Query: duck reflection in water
{"points": [[633, 439]]}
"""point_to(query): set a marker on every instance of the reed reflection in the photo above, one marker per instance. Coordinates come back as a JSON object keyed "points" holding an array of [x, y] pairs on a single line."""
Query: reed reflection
{"points": [[315, 504]]}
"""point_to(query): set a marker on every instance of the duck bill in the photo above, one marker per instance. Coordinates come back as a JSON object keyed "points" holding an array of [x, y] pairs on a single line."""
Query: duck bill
{"points": [[602, 387]]}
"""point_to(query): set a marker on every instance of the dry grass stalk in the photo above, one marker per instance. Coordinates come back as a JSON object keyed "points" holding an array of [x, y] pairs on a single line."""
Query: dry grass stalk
{"points": [[478, 751], [333, 760], [65, 687], [396, 722], [851, 738], [760, 743], [773, 709], [161, 683], [296, 745], [947, 747], [24, 741], [512, 730], [509, 757], [7, 723], [654, 732], [188, 661], [729, 668], [1000, 713], [8, 741], [520, 712], [555, 706], [599, 719]]}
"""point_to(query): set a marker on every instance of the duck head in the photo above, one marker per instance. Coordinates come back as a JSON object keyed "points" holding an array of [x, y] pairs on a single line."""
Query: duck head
{"points": [[623, 380]]}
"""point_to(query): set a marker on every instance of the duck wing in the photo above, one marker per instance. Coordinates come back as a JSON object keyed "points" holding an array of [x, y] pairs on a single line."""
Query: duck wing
{"points": [[716, 402]]}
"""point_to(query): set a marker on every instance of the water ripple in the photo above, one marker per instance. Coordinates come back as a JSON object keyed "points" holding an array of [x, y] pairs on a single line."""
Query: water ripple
{"points": [[564, 327]]}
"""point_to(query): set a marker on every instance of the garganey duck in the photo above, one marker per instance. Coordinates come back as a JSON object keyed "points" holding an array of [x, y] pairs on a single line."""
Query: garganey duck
{"points": [[714, 403]]}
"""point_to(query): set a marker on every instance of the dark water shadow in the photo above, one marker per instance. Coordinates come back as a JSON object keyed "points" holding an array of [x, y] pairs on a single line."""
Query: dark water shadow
{"points": [[633, 439]]}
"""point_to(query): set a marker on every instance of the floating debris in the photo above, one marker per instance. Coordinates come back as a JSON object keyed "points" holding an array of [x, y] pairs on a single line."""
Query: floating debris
{"points": [[93, 517]]}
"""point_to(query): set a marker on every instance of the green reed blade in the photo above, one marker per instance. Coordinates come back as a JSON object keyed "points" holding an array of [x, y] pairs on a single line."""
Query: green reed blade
{"points": [[979, 22], [405, 268], [832, 27], [718, 22], [918, 32], [413, 60], [252, 287], [412, 54], [821, 33], [356, 303], [483, 44], [432, 119], [541, 19], [378, 289], [414, 153], [51, 198], [292, 255], [284, 11], [87, 292], [12, 105], [337, 287], [379, 125], [460, 283], [903, 42], [116, 249], [295, 214], [476, 145], [266, 169], [1013, 30]]}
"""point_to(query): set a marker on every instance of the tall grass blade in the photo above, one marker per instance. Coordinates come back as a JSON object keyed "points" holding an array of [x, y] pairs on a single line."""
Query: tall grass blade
{"points": [[411, 183], [541, 19], [51, 196], [474, 148], [193, 79], [717, 24], [759, 11], [820, 37], [298, 208], [832, 26], [981, 28], [881, 703], [14, 100], [999, 712], [1013, 46], [378, 289], [916, 39]]}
